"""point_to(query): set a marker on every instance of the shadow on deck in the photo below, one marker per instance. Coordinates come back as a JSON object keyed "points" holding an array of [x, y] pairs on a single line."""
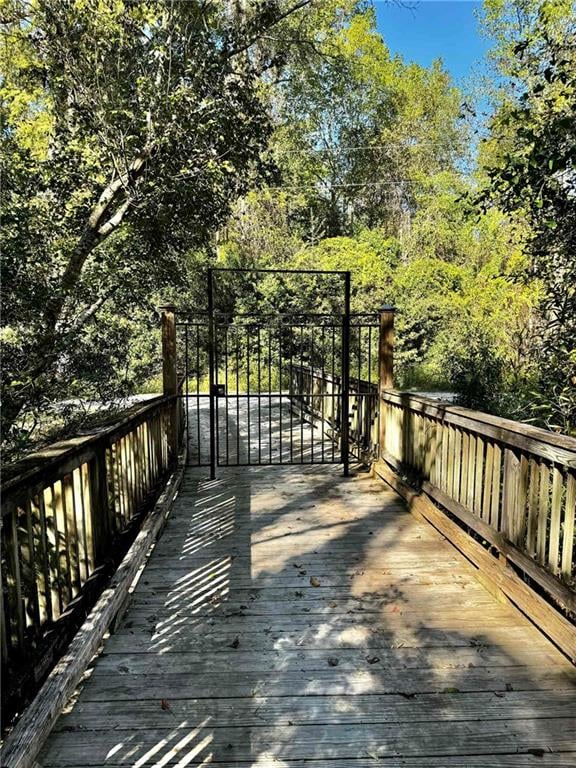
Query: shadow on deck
{"points": [[290, 616]]}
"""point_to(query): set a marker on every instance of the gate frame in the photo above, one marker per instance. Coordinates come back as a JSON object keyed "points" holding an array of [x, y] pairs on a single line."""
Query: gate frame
{"points": [[344, 395]]}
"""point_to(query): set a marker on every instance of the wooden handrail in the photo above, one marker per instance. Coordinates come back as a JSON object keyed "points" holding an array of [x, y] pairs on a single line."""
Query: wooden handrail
{"points": [[508, 487], [518, 479], [30, 469], [64, 511], [549, 445]]}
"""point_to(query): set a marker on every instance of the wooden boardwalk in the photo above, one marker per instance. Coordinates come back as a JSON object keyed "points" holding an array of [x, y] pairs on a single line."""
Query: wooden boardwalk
{"points": [[289, 617]]}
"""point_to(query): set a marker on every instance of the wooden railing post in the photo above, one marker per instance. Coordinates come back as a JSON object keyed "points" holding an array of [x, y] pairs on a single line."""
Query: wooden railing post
{"points": [[385, 367], [100, 508], [169, 375]]}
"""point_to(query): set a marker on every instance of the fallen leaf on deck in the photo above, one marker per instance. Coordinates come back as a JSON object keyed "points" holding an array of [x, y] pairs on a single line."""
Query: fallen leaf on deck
{"points": [[164, 705], [235, 643], [315, 582], [333, 661], [451, 690], [373, 659]]}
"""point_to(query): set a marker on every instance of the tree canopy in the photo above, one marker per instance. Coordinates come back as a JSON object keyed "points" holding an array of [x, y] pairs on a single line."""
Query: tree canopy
{"points": [[144, 140]]}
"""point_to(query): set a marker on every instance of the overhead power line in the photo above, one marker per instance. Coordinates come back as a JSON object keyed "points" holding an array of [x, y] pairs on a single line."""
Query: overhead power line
{"points": [[359, 148], [393, 182]]}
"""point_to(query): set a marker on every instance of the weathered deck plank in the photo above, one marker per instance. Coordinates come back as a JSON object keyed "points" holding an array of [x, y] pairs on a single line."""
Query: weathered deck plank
{"points": [[291, 617]]}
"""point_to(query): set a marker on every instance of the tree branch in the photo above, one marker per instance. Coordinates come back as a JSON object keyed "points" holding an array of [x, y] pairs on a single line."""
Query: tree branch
{"points": [[115, 220], [88, 313], [248, 44]]}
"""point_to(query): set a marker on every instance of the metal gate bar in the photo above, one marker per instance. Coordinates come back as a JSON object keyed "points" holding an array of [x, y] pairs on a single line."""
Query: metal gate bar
{"points": [[277, 388], [246, 349], [216, 393], [192, 334]]}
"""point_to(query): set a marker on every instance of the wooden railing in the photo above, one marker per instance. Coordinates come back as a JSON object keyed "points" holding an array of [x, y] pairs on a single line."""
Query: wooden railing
{"points": [[511, 485], [510, 488], [63, 510], [321, 400], [519, 480]]}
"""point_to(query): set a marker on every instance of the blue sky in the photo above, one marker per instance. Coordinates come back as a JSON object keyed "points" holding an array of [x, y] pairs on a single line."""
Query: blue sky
{"points": [[446, 29]]}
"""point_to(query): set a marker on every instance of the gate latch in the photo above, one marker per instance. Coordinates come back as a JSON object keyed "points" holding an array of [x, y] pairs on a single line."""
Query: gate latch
{"points": [[219, 390]]}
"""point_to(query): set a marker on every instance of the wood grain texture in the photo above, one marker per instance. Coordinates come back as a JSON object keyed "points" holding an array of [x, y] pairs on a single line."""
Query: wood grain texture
{"points": [[27, 737], [292, 617], [548, 445], [499, 578]]}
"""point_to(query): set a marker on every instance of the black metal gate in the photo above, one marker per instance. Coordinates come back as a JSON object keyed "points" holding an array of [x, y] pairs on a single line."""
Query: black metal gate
{"points": [[271, 387]]}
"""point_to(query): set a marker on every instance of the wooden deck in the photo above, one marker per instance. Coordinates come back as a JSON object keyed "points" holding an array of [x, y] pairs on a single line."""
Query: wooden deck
{"points": [[290, 617]]}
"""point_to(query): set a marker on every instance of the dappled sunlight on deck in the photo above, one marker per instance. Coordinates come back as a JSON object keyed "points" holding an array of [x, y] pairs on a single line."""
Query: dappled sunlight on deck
{"points": [[291, 618]]}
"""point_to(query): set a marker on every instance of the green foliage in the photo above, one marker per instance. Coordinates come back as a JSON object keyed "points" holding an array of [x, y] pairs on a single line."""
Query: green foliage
{"points": [[359, 130], [128, 129], [369, 258], [529, 162], [472, 365], [144, 141], [425, 293]]}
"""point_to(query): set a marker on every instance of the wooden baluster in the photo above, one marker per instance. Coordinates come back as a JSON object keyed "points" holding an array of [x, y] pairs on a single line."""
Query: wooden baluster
{"points": [[496, 480], [63, 551], [458, 464], [28, 566], [80, 525], [41, 551], [451, 460], [431, 447], [543, 499], [509, 494], [465, 460], [555, 517], [479, 476], [120, 478], [149, 468], [72, 533], [532, 524], [472, 459], [131, 473], [108, 467], [127, 466], [56, 577], [137, 477], [445, 456], [569, 523], [88, 507], [488, 474], [522, 499]]}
